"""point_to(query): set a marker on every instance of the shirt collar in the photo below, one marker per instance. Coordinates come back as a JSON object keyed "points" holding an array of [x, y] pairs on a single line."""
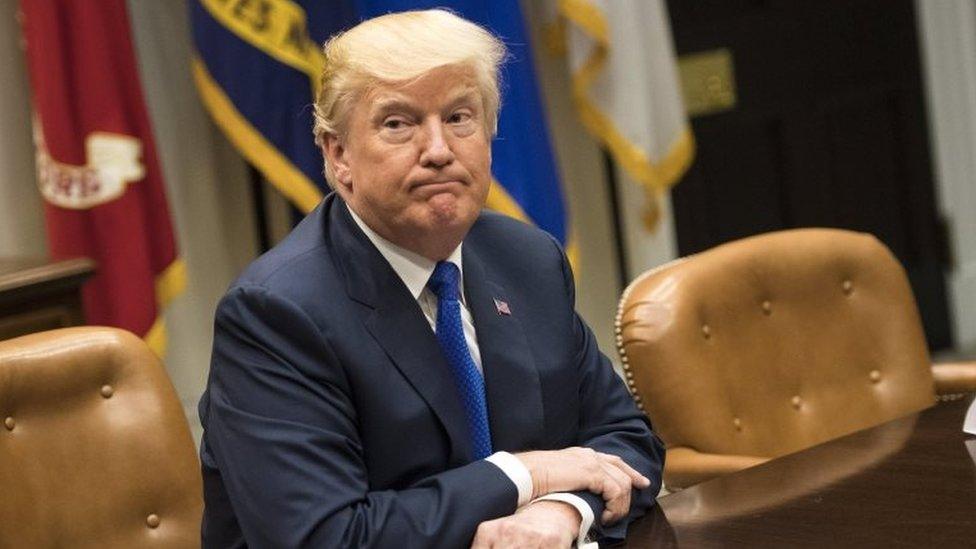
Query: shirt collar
{"points": [[413, 268]]}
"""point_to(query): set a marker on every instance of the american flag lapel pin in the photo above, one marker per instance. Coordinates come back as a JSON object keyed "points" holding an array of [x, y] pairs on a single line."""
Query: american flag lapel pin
{"points": [[502, 307]]}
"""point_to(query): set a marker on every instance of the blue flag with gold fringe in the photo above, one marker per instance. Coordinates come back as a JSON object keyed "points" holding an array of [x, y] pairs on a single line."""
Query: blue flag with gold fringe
{"points": [[258, 64], [256, 67]]}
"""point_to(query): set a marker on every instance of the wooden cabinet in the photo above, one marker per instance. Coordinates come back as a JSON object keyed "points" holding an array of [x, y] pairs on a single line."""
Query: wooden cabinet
{"points": [[38, 294]]}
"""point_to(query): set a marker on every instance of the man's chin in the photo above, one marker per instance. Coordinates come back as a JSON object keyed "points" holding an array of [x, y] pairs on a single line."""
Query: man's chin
{"points": [[446, 211]]}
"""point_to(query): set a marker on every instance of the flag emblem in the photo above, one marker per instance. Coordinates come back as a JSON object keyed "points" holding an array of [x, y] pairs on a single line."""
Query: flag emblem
{"points": [[502, 307], [112, 163]]}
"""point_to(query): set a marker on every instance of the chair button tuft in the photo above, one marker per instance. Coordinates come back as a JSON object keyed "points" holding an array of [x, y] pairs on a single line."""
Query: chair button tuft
{"points": [[848, 287], [875, 376], [737, 423], [796, 401], [767, 307], [152, 520], [107, 391], [706, 331], [9, 423]]}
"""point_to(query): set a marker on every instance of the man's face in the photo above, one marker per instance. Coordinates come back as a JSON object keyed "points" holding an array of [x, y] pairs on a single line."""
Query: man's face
{"points": [[415, 162]]}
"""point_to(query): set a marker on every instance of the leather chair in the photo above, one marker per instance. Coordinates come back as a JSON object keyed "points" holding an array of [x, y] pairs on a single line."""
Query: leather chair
{"points": [[774, 343], [94, 448]]}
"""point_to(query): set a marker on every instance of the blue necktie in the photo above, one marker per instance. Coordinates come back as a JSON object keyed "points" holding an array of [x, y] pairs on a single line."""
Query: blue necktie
{"points": [[450, 335]]}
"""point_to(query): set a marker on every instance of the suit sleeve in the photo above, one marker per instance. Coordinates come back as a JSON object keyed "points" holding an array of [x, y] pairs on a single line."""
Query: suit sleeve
{"points": [[611, 423], [281, 436]]}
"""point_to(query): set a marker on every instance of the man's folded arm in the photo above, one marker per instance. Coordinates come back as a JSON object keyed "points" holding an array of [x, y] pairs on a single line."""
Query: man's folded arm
{"points": [[282, 431], [610, 422]]}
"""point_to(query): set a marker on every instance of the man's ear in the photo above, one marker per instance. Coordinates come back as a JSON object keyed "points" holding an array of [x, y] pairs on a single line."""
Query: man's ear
{"points": [[335, 155]]}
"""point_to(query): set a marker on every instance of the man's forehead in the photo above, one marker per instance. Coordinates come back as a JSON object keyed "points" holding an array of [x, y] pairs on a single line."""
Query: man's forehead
{"points": [[440, 86]]}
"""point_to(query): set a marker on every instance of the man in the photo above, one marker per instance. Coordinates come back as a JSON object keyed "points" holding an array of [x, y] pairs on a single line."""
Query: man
{"points": [[404, 370]]}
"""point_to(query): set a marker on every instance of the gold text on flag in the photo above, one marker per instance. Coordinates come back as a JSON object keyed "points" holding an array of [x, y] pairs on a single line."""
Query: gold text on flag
{"points": [[276, 27]]}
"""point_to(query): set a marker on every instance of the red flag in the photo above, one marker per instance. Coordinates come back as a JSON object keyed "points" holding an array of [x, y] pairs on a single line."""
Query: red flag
{"points": [[96, 162]]}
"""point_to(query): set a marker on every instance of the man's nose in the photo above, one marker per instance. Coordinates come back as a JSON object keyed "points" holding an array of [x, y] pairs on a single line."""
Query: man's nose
{"points": [[436, 149]]}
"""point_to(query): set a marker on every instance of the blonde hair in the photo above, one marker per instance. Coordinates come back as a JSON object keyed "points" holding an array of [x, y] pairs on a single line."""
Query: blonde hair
{"points": [[400, 47]]}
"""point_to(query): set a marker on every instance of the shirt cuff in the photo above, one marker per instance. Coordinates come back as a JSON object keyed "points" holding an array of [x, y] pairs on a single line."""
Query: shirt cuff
{"points": [[518, 473], [586, 515]]}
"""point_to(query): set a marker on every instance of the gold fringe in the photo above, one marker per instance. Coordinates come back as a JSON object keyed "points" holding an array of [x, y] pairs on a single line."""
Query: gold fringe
{"points": [[502, 202], [657, 178], [169, 284], [156, 337], [276, 167]]}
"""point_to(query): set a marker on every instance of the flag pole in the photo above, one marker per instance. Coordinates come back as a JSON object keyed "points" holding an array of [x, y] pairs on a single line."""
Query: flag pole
{"points": [[616, 216], [260, 209]]}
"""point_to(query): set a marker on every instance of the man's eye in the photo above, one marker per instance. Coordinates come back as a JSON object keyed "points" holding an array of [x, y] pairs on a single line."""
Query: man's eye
{"points": [[459, 118], [394, 124]]}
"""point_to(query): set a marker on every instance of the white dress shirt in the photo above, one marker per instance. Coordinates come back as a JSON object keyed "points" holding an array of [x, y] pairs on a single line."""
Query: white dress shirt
{"points": [[415, 270]]}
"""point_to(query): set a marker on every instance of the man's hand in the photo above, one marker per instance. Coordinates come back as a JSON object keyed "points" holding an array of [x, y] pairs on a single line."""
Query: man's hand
{"points": [[543, 524], [584, 469]]}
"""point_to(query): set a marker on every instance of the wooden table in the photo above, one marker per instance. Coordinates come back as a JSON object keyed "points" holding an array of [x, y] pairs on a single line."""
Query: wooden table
{"points": [[910, 482], [38, 294]]}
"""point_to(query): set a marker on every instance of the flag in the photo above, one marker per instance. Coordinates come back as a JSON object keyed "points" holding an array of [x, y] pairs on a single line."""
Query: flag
{"points": [[527, 184], [257, 67], [97, 169], [627, 91]]}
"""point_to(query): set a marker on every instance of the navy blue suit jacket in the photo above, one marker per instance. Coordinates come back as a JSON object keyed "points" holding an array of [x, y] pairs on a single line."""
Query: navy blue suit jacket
{"points": [[331, 418]]}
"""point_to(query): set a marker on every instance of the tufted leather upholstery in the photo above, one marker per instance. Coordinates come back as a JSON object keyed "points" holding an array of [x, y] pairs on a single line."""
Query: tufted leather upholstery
{"points": [[774, 343], [94, 448]]}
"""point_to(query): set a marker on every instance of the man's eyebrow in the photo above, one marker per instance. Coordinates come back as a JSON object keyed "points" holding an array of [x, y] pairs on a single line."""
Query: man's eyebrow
{"points": [[386, 104], [468, 93]]}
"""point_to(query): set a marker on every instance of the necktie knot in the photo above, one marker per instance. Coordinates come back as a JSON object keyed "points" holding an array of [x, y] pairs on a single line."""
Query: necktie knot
{"points": [[444, 281]]}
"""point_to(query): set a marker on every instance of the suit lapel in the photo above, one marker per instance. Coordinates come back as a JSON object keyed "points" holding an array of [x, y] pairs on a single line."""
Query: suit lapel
{"points": [[400, 328], [512, 382]]}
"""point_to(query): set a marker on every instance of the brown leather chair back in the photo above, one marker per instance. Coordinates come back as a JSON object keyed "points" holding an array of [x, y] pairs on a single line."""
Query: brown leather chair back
{"points": [[94, 448], [774, 343]]}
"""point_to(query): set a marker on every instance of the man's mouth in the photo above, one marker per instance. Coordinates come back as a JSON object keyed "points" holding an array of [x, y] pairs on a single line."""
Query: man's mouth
{"points": [[436, 184]]}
